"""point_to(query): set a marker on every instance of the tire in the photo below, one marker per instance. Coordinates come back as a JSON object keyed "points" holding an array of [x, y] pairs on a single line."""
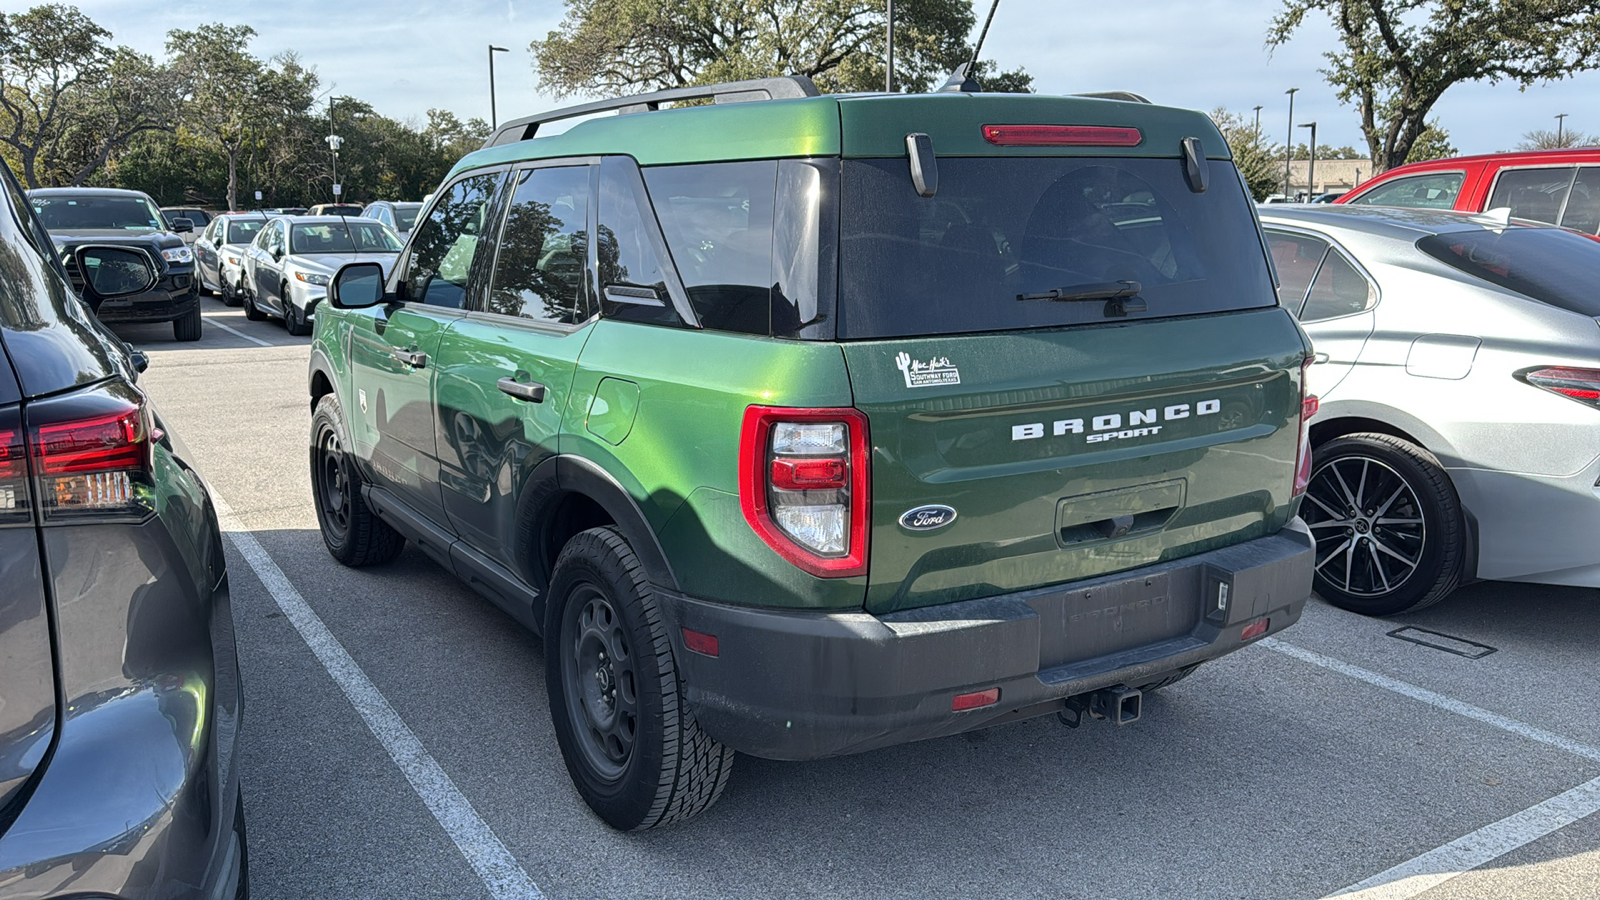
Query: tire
{"points": [[243, 893], [611, 677], [230, 294], [251, 310], [187, 326], [288, 305], [1392, 499], [352, 532], [294, 321]]}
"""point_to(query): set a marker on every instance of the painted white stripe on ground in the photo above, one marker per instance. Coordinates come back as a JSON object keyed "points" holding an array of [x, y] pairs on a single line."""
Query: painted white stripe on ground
{"points": [[1470, 851], [1433, 698], [232, 330], [477, 842], [1426, 872]]}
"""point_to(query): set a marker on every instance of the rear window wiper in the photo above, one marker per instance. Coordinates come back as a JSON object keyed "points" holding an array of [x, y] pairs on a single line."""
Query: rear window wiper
{"points": [[1122, 297]]}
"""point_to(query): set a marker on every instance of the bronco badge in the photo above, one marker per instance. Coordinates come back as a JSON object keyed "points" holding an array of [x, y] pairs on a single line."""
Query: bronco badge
{"points": [[927, 518]]}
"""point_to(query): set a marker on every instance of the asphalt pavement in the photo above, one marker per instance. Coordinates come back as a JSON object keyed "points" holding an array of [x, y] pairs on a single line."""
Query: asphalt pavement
{"points": [[421, 762]]}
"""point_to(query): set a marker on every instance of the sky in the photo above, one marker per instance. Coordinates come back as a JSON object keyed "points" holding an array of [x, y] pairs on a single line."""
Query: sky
{"points": [[405, 58]]}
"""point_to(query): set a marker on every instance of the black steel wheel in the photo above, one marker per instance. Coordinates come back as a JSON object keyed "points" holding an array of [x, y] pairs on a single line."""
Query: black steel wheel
{"points": [[627, 735], [352, 532], [1387, 523]]}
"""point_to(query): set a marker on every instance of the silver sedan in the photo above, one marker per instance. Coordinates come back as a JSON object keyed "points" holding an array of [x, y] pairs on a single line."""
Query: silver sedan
{"points": [[219, 253], [1458, 366], [288, 265]]}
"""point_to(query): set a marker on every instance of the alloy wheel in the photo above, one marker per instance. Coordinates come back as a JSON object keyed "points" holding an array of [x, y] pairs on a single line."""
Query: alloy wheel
{"points": [[1368, 526]]}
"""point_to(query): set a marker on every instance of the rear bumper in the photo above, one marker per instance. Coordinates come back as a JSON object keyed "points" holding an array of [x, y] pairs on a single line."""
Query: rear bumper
{"points": [[806, 685]]}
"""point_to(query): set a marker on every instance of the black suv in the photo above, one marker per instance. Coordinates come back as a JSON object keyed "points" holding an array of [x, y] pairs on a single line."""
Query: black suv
{"points": [[78, 216]]}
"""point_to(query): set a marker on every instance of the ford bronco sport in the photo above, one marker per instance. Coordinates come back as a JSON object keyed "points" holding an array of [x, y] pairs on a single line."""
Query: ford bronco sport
{"points": [[805, 425]]}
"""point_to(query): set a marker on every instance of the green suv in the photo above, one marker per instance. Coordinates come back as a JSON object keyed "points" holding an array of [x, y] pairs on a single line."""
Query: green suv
{"points": [[805, 425]]}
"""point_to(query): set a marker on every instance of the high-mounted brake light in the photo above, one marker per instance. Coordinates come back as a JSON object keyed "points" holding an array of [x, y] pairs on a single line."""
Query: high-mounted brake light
{"points": [[1308, 408], [92, 455], [803, 486], [1061, 136], [1582, 385]]}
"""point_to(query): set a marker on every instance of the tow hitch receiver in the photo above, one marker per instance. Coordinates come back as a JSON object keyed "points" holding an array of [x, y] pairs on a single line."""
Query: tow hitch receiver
{"points": [[1119, 704]]}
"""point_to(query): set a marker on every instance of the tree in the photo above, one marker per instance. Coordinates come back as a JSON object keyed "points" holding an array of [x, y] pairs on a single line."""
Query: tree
{"points": [[1397, 57], [1324, 151], [221, 81], [1432, 143], [617, 46], [1541, 139], [1261, 163]]}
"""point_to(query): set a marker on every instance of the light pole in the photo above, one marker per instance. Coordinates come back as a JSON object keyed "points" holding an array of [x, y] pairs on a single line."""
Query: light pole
{"points": [[1288, 152], [493, 120], [888, 74], [1311, 168], [1258, 123], [334, 142], [1560, 134]]}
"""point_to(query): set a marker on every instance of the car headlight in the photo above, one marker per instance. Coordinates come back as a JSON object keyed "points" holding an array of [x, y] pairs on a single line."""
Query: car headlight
{"points": [[312, 278], [177, 255], [232, 260]]}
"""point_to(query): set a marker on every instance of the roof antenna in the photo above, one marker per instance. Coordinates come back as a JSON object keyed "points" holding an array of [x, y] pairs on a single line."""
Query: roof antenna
{"points": [[962, 81]]}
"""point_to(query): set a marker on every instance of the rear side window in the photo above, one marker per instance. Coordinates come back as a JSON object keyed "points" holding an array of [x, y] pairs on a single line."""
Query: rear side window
{"points": [[634, 266], [717, 219], [1340, 290], [1535, 194], [445, 244], [1000, 228], [1583, 203], [1296, 257], [1547, 264], [542, 252], [243, 231], [1436, 190]]}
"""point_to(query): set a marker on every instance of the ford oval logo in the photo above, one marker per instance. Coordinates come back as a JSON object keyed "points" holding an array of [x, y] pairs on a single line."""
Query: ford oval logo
{"points": [[927, 518]]}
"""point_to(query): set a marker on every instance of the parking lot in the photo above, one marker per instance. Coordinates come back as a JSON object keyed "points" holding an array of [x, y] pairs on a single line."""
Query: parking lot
{"points": [[398, 742]]}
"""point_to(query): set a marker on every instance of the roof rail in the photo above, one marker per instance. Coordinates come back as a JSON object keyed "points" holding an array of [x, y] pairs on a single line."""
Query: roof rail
{"points": [[785, 87], [1124, 96]]}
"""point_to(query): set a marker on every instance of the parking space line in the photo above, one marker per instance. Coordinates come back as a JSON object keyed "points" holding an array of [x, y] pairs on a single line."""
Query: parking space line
{"points": [[231, 329], [1431, 869], [472, 836], [1432, 698]]}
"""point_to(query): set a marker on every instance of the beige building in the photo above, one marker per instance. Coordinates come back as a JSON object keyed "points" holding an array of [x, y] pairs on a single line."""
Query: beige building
{"points": [[1333, 175]]}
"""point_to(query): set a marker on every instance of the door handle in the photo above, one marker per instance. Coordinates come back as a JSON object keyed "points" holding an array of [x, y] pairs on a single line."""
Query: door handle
{"points": [[416, 359], [531, 391]]}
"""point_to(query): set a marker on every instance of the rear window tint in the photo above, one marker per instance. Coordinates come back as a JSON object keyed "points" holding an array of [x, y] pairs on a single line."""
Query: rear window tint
{"points": [[1436, 190], [717, 219], [1534, 194], [1547, 264], [1002, 227]]}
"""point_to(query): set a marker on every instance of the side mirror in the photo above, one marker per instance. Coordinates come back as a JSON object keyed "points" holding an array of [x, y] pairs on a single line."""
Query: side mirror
{"points": [[182, 225], [356, 286], [141, 361], [112, 272]]}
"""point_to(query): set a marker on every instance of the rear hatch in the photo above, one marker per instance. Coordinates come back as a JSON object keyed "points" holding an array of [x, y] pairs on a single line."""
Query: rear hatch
{"points": [[1019, 443]]}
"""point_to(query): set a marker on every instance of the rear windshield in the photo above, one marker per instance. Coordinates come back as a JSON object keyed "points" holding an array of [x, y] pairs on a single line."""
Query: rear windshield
{"points": [[1548, 264], [1003, 227], [243, 232], [406, 216], [342, 237], [61, 213]]}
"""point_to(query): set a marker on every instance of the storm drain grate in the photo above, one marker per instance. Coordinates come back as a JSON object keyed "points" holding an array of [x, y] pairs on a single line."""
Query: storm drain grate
{"points": [[1458, 646]]}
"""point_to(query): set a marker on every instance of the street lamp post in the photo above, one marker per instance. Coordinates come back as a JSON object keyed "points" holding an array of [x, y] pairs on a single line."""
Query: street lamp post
{"points": [[334, 143], [888, 74], [1311, 167], [1288, 152], [1258, 123], [493, 120], [1560, 134]]}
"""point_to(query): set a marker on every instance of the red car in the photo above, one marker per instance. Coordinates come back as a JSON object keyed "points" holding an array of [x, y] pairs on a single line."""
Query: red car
{"points": [[1559, 187]]}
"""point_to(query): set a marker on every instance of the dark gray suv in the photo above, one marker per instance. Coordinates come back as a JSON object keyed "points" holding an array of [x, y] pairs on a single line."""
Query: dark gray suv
{"points": [[119, 684]]}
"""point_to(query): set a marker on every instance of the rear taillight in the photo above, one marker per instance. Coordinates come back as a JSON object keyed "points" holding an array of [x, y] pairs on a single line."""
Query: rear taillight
{"points": [[1308, 408], [13, 469], [92, 455], [803, 486], [1582, 385], [1061, 136]]}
